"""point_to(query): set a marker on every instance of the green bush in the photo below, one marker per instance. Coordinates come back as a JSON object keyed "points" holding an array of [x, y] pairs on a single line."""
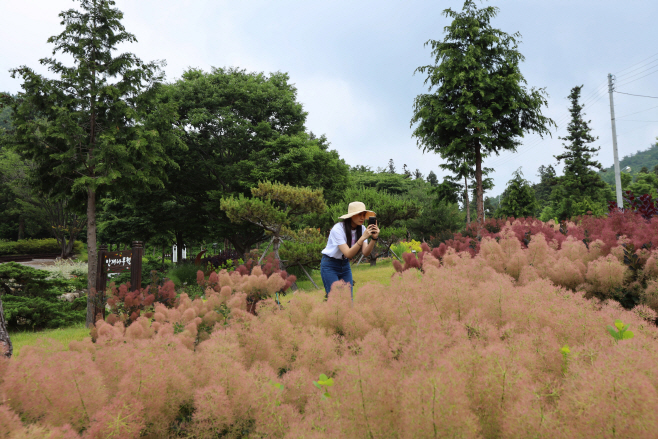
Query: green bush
{"points": [[183, 274], [35, 246], [41, 312], [31, 300]]}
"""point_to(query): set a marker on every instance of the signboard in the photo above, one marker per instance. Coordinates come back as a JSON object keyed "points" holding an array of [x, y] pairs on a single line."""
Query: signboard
{"points": [[117, 262]]}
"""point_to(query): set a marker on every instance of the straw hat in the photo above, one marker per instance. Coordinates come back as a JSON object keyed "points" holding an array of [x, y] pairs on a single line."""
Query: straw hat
{"points": [[355, 208]]}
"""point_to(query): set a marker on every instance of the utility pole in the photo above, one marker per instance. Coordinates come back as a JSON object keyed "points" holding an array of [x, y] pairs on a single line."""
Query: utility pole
{"points": [[620, 201]]}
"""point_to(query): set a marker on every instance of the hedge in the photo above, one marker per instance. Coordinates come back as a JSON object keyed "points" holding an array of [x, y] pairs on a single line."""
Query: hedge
{"points": [[35, 246]]}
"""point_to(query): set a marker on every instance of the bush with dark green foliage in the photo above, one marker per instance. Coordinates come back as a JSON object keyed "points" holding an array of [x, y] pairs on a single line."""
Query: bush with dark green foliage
{"points": [[30, 299], [35, 246]]}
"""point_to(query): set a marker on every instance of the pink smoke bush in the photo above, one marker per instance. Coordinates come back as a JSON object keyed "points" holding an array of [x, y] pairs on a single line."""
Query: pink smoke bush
{"points": [[465, 346]]}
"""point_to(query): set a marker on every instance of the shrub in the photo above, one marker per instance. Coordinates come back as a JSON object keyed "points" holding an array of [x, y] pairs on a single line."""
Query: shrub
{"points": [[127, 304], [456, 349], [257, 282], [35, 246], [31, 299]]}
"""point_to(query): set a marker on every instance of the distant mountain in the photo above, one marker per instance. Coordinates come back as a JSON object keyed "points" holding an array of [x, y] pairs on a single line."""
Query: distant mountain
{"points": [[637, 161]]}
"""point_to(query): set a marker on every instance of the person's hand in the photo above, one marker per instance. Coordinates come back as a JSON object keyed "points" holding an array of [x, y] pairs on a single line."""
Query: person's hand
{"points": [[373, 231]]}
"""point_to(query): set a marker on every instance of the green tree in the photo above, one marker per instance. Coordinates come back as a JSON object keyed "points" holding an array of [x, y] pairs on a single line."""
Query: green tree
{"points": [[579, 178], [241, 128], [580, 188], [85, 128], [274, 207], [435, 218], [432, 179], [547, 180], [518, 200], [55, 211], [644, 183], [481, 105], [5, 113]]}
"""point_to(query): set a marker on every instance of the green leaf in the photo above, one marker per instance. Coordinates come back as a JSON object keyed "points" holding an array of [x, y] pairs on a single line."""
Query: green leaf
{"points": [[328, 382], [323, 377], [326, 395], [627, 335], [613, 332], [317, 385], [619, 324], [565, 349]]}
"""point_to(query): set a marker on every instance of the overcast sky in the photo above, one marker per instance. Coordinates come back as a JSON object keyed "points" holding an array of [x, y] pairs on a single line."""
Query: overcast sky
{"points": [[353, 62]]}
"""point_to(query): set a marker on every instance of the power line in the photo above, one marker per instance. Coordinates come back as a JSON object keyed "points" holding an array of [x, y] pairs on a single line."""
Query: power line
{"points": [[625, 83], [641, 111], [626, 77], [631, 94], [633, 120], [639, 62]]}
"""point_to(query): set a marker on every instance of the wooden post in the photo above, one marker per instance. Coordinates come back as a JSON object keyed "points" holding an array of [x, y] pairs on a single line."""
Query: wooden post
{"points": [[101, 283], [136, 265]]}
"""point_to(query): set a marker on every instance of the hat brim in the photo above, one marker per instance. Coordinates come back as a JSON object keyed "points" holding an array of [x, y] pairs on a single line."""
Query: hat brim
{"points": [[369, 213]]}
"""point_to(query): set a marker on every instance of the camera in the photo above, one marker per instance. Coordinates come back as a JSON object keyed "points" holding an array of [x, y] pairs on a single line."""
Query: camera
{"points": [[372, 220]]}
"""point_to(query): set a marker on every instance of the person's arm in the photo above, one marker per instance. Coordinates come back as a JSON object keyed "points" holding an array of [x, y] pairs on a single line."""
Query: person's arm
{"points": [[350, 252], [373, 232]]}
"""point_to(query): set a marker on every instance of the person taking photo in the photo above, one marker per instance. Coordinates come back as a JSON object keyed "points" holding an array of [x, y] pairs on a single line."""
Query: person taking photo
{"points": [[346, 239]]}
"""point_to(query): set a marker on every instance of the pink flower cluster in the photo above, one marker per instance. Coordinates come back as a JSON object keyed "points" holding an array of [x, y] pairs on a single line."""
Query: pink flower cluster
{"points": [[608, 258], [470, 347]]}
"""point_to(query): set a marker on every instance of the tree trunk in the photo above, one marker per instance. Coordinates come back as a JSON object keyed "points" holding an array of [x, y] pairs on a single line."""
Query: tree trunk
{"points": [[6, 347], [276, 243], [21, 227], [478, 179], [92, 260], [179, 247], [467, 202]]}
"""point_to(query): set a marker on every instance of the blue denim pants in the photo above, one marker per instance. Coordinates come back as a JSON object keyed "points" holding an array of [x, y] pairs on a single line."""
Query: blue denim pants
{"points": [[332, 269]]}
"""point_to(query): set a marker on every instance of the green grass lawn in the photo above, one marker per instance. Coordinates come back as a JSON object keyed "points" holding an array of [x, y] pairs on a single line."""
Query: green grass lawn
{"points": [[61, 335], [363, 274]]}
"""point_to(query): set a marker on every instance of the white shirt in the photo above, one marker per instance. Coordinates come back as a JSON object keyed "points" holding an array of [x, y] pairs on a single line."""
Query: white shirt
{"points": [[337, 237]]}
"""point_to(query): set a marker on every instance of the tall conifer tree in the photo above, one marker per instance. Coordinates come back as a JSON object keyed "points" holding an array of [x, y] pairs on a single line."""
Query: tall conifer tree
{"points": [[581, 188], [85, 129], [479, 104], [579, 178]]}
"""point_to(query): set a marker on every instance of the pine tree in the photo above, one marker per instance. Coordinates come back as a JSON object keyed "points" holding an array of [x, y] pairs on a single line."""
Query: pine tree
{"points": [[579, 178], [518, 199], [581, 188]]}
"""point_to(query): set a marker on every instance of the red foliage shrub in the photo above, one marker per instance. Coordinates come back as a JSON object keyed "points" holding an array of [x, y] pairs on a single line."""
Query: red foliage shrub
{"points": [[127, 305]]}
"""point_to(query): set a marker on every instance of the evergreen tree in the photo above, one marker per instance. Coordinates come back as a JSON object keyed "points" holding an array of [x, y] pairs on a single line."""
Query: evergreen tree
{"points": [[579, 178], [391, 167], [85, 130], [543, 189], [432, 179], [581, 188], [480, 105], [274, 207], [518, 199]]}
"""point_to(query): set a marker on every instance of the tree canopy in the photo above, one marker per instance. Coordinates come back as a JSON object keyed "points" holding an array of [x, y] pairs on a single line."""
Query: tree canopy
{"points": [[478, 103], [84, 129]]}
